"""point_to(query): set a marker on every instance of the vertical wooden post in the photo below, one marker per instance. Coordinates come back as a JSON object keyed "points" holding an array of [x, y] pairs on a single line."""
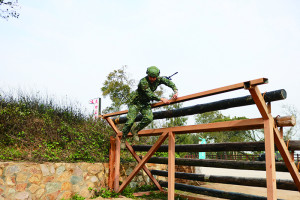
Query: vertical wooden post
{"points": [[117, 164], [112, 152], [270, 159], [117, 153], [171, 166], [265, 111]]}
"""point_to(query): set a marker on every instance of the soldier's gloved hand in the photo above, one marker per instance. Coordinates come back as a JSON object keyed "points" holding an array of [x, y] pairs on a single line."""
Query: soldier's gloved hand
{"points": [[166, 101], [175, 95]]}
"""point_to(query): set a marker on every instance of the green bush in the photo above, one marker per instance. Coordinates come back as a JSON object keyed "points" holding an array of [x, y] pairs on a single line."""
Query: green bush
{"points": [[34, 128]]}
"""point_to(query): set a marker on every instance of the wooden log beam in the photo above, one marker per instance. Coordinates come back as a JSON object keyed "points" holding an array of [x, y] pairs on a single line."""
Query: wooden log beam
{"points": [[285, 121], [229, 164], [220, 90], [215, 147], [213, 192], [208, 107], [246, 181]]}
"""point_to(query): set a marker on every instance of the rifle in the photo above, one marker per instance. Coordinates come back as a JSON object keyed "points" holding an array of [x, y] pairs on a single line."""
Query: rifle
{"points": [[169, 77]]}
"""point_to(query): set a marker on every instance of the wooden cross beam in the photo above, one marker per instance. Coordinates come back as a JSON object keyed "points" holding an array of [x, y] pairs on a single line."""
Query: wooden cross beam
{"points": [[137, 158], [160, 140]]}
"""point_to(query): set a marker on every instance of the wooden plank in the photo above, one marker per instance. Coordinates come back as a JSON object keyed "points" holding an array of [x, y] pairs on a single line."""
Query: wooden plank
{"points": [[112, 152], [202, 94], [171, 166], [147, 171], [160, 140], [244, 124], [287, 158]]}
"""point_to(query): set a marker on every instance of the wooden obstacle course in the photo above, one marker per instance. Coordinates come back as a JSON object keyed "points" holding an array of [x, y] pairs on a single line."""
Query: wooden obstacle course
{"points": [[272, 136]]}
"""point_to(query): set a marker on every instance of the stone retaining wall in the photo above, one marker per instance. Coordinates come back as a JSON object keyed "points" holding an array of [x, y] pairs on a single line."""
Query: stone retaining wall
{"points": [[49, 181]]}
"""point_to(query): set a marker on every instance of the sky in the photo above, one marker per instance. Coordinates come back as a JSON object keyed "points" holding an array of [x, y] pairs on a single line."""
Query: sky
{"points": [[67, 48]]}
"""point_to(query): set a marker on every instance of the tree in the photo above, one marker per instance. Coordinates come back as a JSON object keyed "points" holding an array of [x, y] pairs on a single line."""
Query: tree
{"points": [[8, 9], [290, 132], [118, 87]]}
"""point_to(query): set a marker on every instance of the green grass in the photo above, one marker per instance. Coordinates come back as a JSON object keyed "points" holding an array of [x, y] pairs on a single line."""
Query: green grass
{"points": [[35, 128]]}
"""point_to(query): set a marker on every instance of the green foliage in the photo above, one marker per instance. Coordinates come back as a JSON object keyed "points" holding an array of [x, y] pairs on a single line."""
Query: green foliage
{"points": [[118, 87], [34, 128], [75, 197], [103, 192], [9, 9], [224, 136], [290, 132]]}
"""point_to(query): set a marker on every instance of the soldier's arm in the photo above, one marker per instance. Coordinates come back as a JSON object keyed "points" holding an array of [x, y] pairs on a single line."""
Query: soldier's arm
{"points": [[170, 84]]}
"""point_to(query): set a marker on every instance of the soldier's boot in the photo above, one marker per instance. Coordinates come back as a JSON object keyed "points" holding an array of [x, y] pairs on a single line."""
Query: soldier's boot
{"points": [[135, 136], [123, 140]]}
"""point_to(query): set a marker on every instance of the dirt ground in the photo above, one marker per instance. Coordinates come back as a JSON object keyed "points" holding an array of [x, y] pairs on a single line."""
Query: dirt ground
{"points": [[281, 194]]}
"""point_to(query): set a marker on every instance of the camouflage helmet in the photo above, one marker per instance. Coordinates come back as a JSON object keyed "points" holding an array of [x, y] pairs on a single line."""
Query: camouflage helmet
{"points": [[153, 71]]}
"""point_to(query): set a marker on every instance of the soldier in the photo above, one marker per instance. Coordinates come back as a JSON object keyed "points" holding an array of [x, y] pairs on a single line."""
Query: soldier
{"points": [[140, 102]]}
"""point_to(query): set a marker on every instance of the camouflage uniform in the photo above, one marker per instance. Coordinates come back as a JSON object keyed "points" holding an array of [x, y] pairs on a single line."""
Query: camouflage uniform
{"points": [[140, 102]]}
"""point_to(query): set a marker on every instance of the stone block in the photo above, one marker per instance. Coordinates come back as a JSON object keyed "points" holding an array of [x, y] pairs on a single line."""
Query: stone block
{"points": [[39, 193], [66, 186], [35, 178], [65, 176], [21, 187], [60, 170], [22, 177], [76, 179], [67, 195], [22, 195], [10, 180], [94, 179], [53, 187], [53, 196], [48, 179], [93, 169], [33, 188], [10, 170], [45, 170]]}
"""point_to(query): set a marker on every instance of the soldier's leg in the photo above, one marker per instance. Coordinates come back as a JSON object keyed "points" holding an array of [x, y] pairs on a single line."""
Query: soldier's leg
{"points": [[131, 115], [146, 111]]}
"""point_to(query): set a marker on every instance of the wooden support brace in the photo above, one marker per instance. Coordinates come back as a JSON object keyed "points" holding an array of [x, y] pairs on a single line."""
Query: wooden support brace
{"points": [[137, 158], [160, 140], [287, 158]]}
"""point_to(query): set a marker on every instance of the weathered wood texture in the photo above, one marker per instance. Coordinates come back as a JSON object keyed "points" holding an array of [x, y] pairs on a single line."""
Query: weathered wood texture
{"points": [[256, 182], [229, 164], [208, 107], [215, 147], [213, 192]]}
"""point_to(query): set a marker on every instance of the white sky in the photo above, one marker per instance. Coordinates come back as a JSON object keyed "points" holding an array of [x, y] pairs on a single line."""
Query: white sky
{"points": [[68, 47]]}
